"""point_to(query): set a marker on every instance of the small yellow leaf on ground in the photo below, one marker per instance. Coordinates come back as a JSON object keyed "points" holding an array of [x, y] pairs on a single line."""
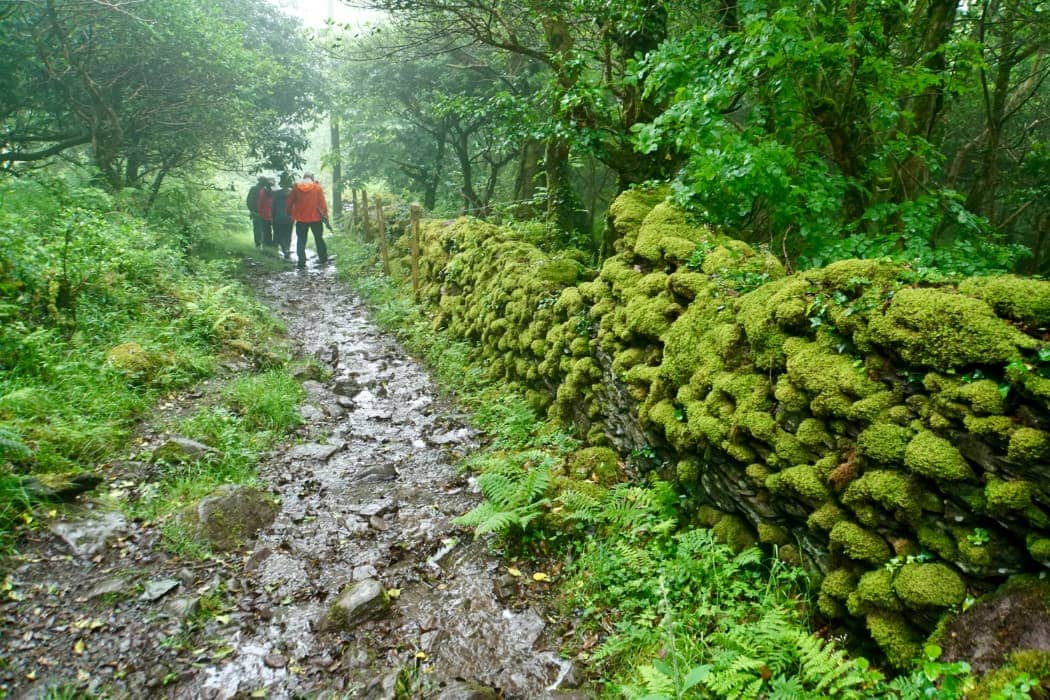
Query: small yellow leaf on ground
{"points": [[512, 571], [222, 619], [540, 576], [83, 676], [31, 676], [393, 592], [79, 646], [421, 655]]}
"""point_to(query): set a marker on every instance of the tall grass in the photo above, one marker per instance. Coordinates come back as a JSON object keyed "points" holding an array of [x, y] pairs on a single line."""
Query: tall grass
{"points": [[101, 313]]}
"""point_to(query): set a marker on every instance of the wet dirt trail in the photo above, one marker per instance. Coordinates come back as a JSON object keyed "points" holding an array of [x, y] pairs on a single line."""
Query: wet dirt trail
{"points": [[367, 495]]}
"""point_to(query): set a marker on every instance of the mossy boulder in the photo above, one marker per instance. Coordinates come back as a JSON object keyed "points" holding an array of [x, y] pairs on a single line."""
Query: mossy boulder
{"points": [[666, 228], [735, 532], [230, 516], [1029, 446], [932, 456], [1018, 298], [857, 543], [629, 209], [884, 443], [358, 603], [134, 360], [939, 329], [929, 585], [874, 592], [901, 642]]}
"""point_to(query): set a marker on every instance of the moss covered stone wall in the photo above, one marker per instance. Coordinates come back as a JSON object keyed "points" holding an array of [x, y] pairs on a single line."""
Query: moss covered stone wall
{"points": [[891, 434]]}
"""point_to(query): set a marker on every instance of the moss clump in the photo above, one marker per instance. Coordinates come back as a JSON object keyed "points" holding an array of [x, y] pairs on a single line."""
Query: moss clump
{"points": [[1039, 548], [133, 360], [900, 642], [1028, 446], [999, 428], [735, 532], [1004, 497], [934, 457], [757, 312], [560, 271], [664, 228], [1018, 298], [937, 541], [929, 585], [891, 489], [599, 464], [839, 583], [802, 480], [768, 533], [628, 211], [884, 443], [1034, 663], [874, 591], [687, 471], [858, 544], [829, 376], [825, 517], [933, 328]]}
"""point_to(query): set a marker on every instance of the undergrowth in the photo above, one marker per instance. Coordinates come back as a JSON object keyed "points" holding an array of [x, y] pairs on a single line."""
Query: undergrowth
{"points": [[102, 313], [655, 608]]}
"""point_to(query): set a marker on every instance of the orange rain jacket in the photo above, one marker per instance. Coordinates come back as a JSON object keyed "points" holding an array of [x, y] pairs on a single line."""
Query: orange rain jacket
{"points": [[306, 203]]}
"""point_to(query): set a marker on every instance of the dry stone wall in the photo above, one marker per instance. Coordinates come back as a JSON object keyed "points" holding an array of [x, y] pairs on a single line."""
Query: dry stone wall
{"points": [[890, 433]]}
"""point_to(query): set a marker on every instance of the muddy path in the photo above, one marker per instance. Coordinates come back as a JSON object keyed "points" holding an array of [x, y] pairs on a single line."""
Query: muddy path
{"points": [[367, 496]]}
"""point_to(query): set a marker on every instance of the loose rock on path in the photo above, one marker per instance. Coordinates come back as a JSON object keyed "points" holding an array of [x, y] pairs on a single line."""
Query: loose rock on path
{"points": [[361, 586]]}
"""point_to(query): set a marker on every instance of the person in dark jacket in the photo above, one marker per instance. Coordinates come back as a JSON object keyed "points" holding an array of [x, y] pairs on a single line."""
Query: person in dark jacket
{"points": [[262, 230], [265, 210], [282, 223]]}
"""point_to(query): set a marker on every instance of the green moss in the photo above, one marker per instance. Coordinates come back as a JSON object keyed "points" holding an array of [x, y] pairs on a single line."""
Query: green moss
{"points": [[1034, 663], [790, 555], [756, 311], [1005, 497], [874, 591], [929, 585], [998, 427], [690, 285], [758, 473], [599, 464], [687, 471], [1029, 446], [688, 347], [839, 583], [629, 209], [884, 443], [937, 541], [825, 517], [735, 532], [831, 608], [708, 516], [560, 271], [813, 432], [819, 369], [133, 359], [898, 415], [870, 408], [789, 449], [934, 457], [976, 555], [851, 276], [789, 395], [768, 533], [1039, 548], [1018, 298], [893, 490], [897, 639], [933, 328], [857, 543], [666, 226], [802, 480]]}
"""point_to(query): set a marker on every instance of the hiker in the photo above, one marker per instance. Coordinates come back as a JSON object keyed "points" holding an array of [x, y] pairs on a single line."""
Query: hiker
{"points": [[252, 202], [265, 213], [282, 223], [306, 205]]}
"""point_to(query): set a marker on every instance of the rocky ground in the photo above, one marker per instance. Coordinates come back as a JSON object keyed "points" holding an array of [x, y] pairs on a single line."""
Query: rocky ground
{"points": [[357, 585]]}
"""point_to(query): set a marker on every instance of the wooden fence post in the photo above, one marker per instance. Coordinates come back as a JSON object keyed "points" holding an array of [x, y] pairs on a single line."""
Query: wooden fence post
{"points": [[381, 226], [355, 214], [414, 212], [366, 228]]}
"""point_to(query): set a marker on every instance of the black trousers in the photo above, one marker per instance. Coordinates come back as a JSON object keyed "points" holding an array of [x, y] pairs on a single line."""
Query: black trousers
{"points": [[301, 229], [263, 231], [282, 235]]}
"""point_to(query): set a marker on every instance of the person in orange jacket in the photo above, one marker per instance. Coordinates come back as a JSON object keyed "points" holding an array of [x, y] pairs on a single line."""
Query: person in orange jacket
{"points": [[306, 205]]}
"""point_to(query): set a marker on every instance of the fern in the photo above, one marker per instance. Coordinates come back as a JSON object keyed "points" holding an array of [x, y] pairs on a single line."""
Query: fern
{"points": [[515, 493]]}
